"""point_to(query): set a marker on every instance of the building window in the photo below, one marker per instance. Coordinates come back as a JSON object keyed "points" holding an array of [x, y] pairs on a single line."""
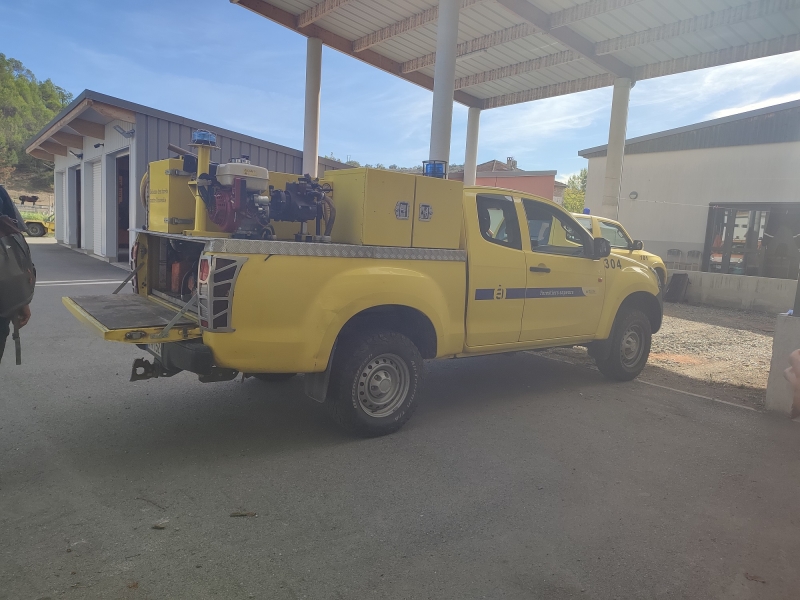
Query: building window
{"points": [[761, 240]]}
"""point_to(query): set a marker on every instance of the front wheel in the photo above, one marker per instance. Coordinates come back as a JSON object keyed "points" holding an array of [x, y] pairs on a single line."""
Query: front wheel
{"points": [[630, 347], [374, 384], [36, 229]]}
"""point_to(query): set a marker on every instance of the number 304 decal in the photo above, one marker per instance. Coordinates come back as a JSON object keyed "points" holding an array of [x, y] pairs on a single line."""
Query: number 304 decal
{"points": [[612, 264]]}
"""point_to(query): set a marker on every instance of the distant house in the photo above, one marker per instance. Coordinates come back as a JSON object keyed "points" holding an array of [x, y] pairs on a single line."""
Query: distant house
{"points": [[558, 192], [101, 147], [507, 175]]}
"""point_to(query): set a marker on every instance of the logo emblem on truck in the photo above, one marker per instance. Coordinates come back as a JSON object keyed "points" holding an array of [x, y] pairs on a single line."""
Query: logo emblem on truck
{"points": [[401, 211]]}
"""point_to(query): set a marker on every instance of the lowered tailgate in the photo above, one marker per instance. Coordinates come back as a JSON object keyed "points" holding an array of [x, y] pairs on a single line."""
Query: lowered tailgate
{"points": [[132, 318]]}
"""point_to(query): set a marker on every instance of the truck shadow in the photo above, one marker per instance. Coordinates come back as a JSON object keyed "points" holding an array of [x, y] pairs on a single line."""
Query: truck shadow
{"points": [[193, 423]]}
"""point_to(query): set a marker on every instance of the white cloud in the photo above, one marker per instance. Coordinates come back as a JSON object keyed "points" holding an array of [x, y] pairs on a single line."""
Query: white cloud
{"points": [[747, 79], [530, 131], [726, 112]]}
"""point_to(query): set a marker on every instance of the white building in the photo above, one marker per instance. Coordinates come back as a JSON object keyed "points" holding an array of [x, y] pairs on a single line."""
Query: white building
{"points": [[722, 195], [101, 147]]}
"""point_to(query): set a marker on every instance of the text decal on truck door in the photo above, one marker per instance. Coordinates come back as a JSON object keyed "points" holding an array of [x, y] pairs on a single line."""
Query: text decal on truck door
{"points": [[612, 264], [519, 293]]}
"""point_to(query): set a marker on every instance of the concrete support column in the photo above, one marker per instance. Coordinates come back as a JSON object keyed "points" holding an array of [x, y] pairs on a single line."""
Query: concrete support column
{"points": [[444, 79], [616, 147], [311, 122], [471, 153]]}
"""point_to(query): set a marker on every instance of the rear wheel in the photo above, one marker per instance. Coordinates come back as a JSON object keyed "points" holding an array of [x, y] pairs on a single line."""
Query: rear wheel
{"points": [[36, 229], [274, 377], [375, 381], [630, 346]]}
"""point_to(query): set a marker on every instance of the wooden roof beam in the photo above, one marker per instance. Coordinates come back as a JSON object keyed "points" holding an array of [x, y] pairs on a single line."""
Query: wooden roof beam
{"points": [[42, 155], [84, 127], [337, 42], [315, 13], [113, 112], [549, 91], [729, 16], [535, 64], [404, 26], [539, 18], [780, 45], [474, 45], [53, 148], [67, 139]]}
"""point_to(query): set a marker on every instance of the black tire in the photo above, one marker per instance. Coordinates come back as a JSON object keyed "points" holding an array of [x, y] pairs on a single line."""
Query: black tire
{"points": [[36, 229], [274, 377], [630, 346], [375, 382]]}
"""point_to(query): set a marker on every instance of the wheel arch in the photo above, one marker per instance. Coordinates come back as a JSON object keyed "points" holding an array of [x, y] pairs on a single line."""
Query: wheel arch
{"points": [[408, 321], [648, 304]]}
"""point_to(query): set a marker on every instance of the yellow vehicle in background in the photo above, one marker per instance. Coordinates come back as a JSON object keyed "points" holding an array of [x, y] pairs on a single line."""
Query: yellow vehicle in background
{"points": [[621, 243], [354, 279], [39, 227]]}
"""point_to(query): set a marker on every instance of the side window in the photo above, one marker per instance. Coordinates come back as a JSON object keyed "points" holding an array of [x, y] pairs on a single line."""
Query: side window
{"points": [[552, 232], [586, 223], [497, 220], [614, 235]]}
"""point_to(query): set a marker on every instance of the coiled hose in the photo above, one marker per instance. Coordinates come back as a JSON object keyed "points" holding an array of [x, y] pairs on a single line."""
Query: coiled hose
{"points": [[329, 215]]}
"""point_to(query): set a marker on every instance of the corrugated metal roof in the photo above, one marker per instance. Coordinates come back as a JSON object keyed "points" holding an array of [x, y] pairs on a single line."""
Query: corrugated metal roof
{"points": [[770, 125], [639, 39]]}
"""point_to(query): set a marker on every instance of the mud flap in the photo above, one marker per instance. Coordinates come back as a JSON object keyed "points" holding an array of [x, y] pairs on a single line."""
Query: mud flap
{"points": [[316, 384]]}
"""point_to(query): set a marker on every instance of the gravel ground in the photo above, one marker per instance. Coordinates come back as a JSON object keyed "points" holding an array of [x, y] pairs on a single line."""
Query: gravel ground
{"points": [[709, 351]]}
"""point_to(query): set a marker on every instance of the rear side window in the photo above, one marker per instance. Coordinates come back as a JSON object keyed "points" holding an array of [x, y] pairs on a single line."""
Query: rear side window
{"points": [[552, 232], [586, 223], [497, 220], [615, 235]]}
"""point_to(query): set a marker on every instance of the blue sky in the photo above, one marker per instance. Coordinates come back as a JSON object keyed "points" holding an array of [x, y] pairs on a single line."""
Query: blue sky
{"points": [[216, 62]]}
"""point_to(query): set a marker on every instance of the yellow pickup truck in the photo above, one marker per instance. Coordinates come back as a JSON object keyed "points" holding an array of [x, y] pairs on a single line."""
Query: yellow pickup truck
{"points": [[413, 268], [622, 244]]}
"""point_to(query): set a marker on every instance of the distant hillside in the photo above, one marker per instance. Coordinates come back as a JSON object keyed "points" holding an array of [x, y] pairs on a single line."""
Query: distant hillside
{"points": [[26, 105]]}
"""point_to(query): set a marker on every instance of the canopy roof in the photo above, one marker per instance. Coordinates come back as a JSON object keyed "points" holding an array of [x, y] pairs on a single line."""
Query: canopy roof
{"points": [[513, 51]]}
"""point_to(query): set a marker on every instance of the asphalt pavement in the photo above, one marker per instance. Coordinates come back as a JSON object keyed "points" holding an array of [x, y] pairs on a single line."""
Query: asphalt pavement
{"points": [[518, 477]]}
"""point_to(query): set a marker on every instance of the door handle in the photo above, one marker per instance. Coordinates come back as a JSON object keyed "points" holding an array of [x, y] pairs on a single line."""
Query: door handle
{"points": [[540, 269]]}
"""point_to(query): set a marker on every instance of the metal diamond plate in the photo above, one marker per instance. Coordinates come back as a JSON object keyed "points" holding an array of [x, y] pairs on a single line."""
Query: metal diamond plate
{"points": [[331, 250]]}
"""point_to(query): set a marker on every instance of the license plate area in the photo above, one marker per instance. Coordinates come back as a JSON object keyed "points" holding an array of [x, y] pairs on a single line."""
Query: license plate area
{"points": [[155, 349]]}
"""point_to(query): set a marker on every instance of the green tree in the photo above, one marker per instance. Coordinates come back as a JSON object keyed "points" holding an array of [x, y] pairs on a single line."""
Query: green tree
{"points": [[26, 105], [575, 194]]}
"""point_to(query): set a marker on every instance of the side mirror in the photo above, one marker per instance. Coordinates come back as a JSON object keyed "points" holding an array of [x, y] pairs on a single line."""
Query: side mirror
{"points": [[638, 245], [602, 247]]}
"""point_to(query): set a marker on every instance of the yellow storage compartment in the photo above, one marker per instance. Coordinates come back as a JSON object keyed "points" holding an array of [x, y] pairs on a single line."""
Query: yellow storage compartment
{"points": [[438, 213], [171, 205], [373, 207]]}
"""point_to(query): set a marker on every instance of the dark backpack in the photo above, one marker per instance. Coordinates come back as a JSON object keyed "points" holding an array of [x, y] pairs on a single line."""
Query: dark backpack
{"points": [[17, 272]]}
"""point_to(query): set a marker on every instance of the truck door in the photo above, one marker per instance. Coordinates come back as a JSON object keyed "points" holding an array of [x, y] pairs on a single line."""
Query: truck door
{"points": [[496, 291], [565, 286]]}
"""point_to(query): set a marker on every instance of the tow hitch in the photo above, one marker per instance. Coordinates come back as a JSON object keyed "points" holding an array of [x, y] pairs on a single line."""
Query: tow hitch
{"points": [[144, 369]]}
